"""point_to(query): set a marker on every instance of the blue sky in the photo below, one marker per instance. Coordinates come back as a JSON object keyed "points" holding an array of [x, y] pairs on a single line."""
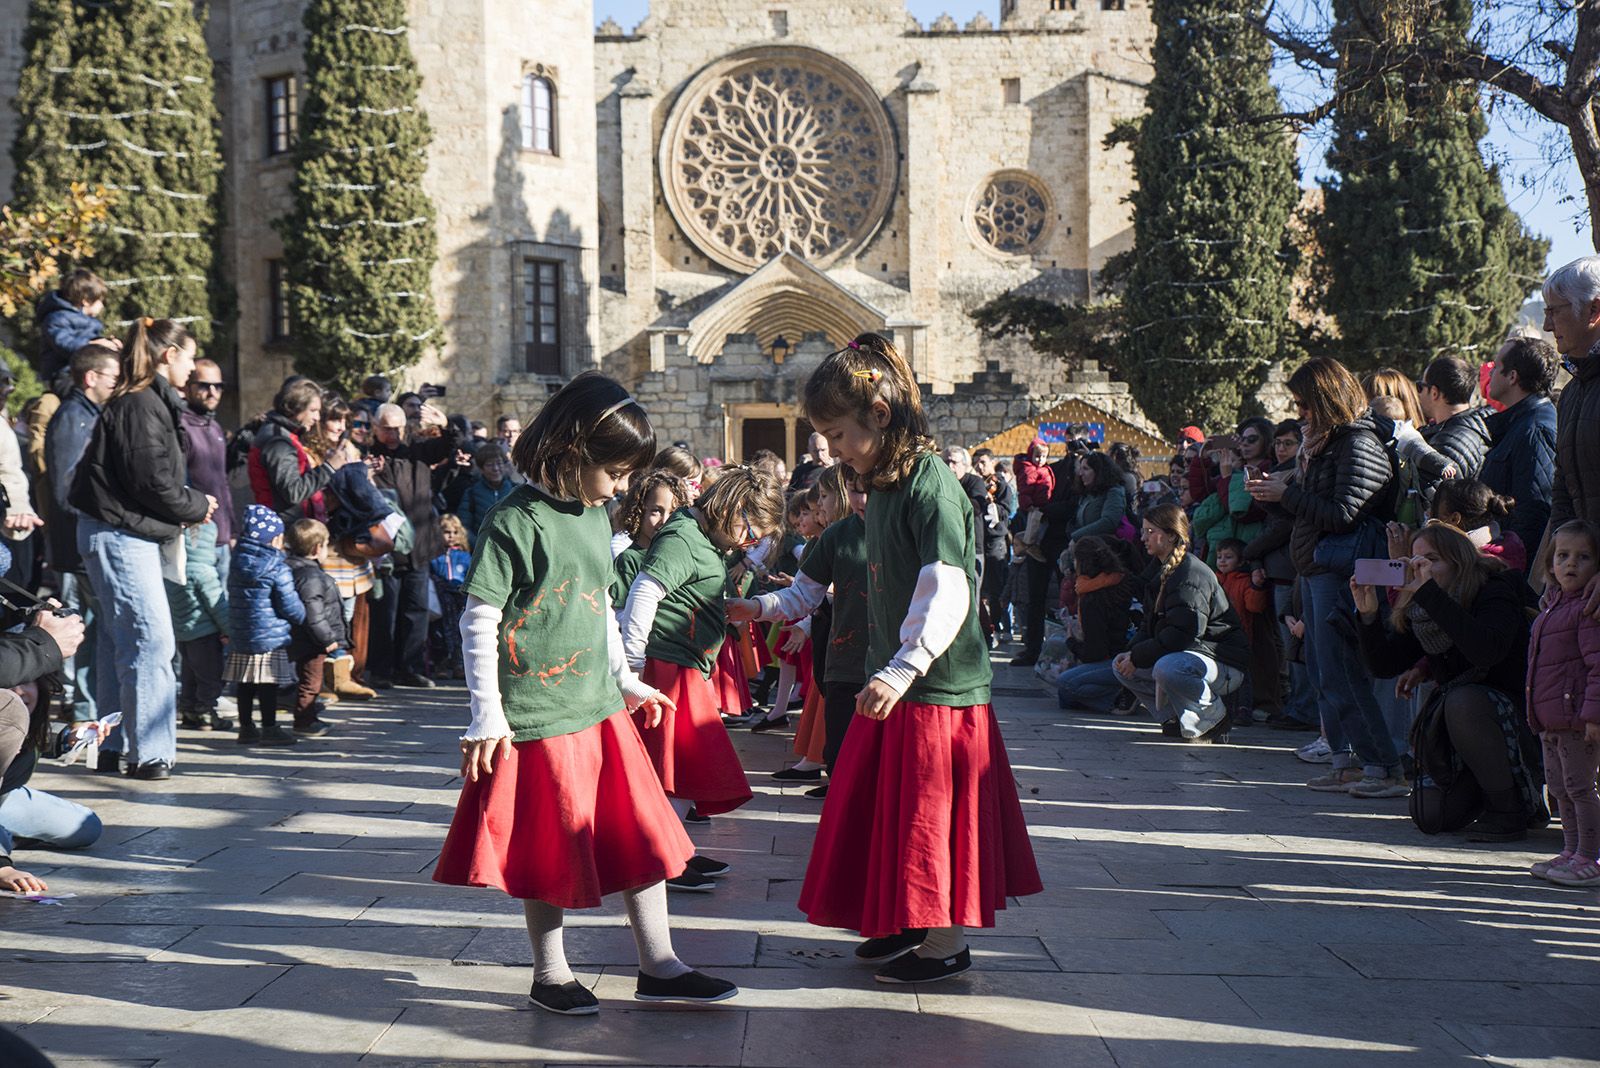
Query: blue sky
{"points": [[1549, 198]]}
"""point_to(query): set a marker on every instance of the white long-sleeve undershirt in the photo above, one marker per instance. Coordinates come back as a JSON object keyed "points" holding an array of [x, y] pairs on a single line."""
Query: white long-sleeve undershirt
{"points": [[480, 638], [639, 617], [939, 605]]}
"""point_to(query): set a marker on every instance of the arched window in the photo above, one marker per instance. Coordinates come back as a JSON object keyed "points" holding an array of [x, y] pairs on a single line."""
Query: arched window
{"points": [[539, 114]]}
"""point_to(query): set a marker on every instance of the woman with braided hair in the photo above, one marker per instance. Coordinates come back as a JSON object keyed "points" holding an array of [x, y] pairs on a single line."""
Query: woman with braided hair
{"points": [[1191, 651]]}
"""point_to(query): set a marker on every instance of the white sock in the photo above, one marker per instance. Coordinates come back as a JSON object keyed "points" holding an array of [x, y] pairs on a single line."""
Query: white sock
{"points": [[652, 933], [549, 952], [942, 942], [786, 681], [807, 764], [681, 806]]}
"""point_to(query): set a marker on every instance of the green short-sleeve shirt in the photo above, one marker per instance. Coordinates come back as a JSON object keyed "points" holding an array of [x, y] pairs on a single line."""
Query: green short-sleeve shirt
{"points": [[547, 565], [926, 520], [839, 558], [691, 620], [626, 568]]}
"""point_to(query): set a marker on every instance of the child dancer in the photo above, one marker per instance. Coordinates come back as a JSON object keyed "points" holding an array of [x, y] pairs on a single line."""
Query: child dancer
{"points": [[650, 503], [789, 644], [672, 628], [827, 500], [1564, 703], [560, 806], [922, 834], [262, 606]]}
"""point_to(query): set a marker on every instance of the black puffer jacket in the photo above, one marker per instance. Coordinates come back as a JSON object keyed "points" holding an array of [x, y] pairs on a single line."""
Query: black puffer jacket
{"points": [[1576, 493], [1349, 480], [1105, 615], [275, 468], [1190, 615], [324, 622], [132, 476], [1464, 438]]}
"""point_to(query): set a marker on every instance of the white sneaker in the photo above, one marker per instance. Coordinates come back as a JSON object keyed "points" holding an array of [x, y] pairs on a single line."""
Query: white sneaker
{"points": [[1316, 752]]}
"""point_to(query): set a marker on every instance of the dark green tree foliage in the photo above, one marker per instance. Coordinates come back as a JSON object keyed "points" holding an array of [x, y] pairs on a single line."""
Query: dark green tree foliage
{"points": [[121, 95], [1422, 255], [360, 243], [1207, 296]]}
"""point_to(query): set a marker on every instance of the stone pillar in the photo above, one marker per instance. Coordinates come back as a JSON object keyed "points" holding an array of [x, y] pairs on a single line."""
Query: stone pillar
{"points": [[635, 100], [921, 179]]}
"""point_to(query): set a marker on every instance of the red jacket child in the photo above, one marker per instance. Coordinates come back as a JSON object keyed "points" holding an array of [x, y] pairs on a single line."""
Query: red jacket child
{"points": [[1035, 481], [1250, 601]]}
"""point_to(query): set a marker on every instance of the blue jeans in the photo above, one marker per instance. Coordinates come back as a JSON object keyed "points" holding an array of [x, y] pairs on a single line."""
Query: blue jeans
{"points": [[78, 595], [136, 647], [1187, 687], [52, 820], [1091, 687], [1302, 703], [1351, 718]]}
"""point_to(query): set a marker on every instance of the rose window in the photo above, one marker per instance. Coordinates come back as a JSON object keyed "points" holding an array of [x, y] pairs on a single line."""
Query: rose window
{"points": [[1012, 212], [778, 150]]}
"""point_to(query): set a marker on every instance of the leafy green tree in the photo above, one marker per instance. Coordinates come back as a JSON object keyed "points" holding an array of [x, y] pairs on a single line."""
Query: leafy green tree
{"points": [[1207, 294], [360, 242], [1422, 255], [120, 96]]}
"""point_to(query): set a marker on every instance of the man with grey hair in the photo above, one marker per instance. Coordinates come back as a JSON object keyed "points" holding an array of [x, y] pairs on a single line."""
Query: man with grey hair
{"points": [[960, 464], [1572, 314]]}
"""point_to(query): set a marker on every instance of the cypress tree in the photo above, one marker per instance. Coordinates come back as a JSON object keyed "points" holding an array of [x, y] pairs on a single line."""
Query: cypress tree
{"points": [[1422, 255], [120, 95], [359, 243], [1207, 296]]}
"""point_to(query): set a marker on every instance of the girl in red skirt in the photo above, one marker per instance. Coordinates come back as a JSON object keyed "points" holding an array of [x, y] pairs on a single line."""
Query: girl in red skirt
{"points": [[560, 805], [827, 503], [922, 832], [651, 500], [672, 629]]}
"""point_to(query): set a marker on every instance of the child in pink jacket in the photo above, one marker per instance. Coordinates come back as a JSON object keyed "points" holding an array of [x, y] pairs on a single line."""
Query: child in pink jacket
{"points": [[1564, 703]]}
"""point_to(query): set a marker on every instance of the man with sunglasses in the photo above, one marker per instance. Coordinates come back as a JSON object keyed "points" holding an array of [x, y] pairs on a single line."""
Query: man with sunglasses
{"points": [[205, 450]]}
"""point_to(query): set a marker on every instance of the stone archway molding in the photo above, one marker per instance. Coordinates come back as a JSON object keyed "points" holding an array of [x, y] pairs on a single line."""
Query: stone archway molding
{"points": [[787, 297]]}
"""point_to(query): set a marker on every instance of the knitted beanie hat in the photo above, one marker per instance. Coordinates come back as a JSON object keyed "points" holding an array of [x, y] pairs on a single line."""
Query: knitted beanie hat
{"points": [[261, 524]]}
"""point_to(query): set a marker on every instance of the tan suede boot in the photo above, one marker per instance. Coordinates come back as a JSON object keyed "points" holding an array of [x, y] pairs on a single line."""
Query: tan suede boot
{"points": [[344, 685]]}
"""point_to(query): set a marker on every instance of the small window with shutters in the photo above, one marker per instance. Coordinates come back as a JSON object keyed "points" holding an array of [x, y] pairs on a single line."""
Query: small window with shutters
{"points": [[541, 316]]}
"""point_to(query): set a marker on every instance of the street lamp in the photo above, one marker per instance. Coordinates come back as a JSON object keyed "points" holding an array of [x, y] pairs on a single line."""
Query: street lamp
{"points": [[780, 349]]}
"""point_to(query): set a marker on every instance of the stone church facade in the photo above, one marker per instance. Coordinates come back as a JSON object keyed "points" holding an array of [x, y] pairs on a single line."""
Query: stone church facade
{"points": [[707, 203]]}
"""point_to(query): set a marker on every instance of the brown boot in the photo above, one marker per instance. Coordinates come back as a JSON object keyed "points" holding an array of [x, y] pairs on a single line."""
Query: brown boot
{"points": [[345, 686]]}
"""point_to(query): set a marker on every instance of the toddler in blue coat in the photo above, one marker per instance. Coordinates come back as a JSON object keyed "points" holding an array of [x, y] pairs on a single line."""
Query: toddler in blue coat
{"points": [[262, 606]]}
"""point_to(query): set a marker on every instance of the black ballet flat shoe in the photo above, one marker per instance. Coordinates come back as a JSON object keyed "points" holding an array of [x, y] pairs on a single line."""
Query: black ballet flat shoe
{"points": [[798, 775], [878, 950], [691, 986], [570, 998], [708, 867], [915, 969], [692, 882], [772, 723], [818, 792], [695, 817]]}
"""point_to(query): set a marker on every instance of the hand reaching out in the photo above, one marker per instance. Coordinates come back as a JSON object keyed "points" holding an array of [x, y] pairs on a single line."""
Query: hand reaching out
{"points": [[742, 610], [481, 754], [654, 708]]}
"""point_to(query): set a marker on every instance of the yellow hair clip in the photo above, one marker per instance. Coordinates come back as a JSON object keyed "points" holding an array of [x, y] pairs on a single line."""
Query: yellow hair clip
{"points": [[871, 374], [147, 322]]}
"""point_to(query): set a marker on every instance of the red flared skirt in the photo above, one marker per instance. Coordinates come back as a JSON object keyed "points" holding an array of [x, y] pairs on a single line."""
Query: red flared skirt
{"points": [[922, 826], [691, 750], [566, 821], [812, 734], [729, 682]]}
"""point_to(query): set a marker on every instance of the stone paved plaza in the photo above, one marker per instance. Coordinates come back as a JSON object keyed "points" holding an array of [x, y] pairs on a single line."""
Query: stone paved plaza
{"points": [[1201, 907]]}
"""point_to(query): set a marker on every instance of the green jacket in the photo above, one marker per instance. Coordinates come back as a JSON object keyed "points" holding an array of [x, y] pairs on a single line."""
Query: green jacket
{"points": [[200, 605]]}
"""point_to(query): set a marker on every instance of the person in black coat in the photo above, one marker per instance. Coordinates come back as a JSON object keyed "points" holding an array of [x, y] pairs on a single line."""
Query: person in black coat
{"points": [[1457, 431], [323, 630], [1105, 600], [1466, 618], [1060, 512], [132, 495], [283, 475], [1191, 651], [1340, 505], [400, 618]]}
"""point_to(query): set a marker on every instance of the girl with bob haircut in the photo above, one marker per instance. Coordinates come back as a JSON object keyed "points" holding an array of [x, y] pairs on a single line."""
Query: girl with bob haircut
{"points": [[673, 627], [922, 835], [560, 805]]}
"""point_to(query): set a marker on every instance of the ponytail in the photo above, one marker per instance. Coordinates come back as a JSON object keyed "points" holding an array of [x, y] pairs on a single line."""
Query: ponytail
{"points": [[141, 352], [866, 372]]}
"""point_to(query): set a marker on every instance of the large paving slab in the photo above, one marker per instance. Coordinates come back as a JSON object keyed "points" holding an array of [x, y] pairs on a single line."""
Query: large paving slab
{"points": [[1201, 908]]}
